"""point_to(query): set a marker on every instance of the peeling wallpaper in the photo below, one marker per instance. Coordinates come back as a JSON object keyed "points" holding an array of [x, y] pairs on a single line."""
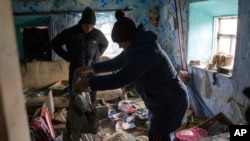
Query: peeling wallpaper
{"points": [[166, 30], [227, 93]]}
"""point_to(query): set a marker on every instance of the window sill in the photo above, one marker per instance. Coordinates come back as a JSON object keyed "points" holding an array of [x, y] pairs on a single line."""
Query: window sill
{"points": [[203, 67]]}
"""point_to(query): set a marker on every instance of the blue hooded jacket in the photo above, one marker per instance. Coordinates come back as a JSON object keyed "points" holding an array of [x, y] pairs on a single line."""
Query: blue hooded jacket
{"points": [[149, 68]]}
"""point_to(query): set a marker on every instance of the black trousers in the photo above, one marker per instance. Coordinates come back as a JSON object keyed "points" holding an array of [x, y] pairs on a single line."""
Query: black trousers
{"points": [[158, 137]]}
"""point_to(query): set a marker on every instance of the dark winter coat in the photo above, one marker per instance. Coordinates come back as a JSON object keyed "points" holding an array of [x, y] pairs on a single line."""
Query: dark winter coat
{"points": [[82, 49], [146, 65]]}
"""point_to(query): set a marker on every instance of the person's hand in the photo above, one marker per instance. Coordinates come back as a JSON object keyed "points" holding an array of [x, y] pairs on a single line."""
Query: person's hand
{"points": [[185, 76], [84, 70], [82, 85], [81, 71]]}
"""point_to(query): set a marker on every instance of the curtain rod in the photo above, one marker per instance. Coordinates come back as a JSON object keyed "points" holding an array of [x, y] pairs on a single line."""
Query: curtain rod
{"points": [[67, 12]]}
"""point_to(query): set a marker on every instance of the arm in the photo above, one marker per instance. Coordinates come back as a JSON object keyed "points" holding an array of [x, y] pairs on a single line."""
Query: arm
{"points": [[82, 71], [57, 44], [107, 66], [103, 44], [110, 65], [136, 67]]}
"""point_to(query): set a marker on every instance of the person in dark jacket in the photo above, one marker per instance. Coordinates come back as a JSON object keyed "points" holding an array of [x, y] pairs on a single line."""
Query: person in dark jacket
{"points": [[246, 92], [84, 44], [145, 64]]}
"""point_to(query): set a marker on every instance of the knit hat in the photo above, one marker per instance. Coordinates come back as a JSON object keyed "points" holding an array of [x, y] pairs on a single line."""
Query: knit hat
{"points": [[124, 29], [88, 16]]}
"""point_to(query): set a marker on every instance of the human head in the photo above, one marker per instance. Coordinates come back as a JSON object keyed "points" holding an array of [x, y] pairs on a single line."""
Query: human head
{"points": [[88, 19], [124, 29]]}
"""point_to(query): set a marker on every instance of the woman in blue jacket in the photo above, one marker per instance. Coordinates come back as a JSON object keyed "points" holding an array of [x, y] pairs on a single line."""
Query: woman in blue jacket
{"points": [[147, 66]]}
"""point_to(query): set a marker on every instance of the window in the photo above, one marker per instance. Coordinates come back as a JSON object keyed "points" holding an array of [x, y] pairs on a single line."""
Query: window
{"points": [[225, 29], [105, 23], [225, 35], [212, 31]]}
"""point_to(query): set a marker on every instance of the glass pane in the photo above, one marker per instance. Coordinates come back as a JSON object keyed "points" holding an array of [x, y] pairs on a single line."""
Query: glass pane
{"points": [[224, 45], [105, 23], [228, 26]]}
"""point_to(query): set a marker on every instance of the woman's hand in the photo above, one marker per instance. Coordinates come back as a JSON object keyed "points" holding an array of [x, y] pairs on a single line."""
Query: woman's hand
{"points": [[83, 71], [82, 85]]}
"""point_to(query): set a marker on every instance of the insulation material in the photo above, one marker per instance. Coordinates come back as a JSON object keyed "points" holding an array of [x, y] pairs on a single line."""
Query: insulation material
{"points": [[42, 73]]}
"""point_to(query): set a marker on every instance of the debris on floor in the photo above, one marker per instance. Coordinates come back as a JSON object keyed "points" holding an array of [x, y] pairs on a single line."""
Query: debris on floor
{"points": [[126, 117]]}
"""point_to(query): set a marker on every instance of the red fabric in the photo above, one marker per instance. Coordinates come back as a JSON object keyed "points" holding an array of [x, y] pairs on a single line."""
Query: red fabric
{"points": [[47, 118], [41, 130], [191, 134]]}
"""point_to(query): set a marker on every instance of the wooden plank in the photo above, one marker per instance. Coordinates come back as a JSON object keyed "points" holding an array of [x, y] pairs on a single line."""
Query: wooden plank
{"points": [[61, 102], [39, 101], [13, 117]]}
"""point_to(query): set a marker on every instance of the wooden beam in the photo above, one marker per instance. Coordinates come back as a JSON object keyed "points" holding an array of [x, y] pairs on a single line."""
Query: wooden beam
{"points": [[13, 117], [67, 12]]}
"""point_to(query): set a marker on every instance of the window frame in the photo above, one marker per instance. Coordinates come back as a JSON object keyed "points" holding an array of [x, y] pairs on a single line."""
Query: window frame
{"points": [[217, 35]]}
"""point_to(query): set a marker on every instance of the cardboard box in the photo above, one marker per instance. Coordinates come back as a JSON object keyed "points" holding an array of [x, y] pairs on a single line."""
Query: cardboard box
{"points": [[102, 109], [194, 62], [196, 119], [216, 124], [59, 88]]}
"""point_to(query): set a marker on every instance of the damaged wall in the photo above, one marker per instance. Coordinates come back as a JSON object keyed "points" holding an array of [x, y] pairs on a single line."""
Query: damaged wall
{"points": [[226, 95], [166, 27]]}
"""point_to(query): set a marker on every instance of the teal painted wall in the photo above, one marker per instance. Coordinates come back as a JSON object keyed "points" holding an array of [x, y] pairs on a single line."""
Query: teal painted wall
{"points": [[200, 33]]}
